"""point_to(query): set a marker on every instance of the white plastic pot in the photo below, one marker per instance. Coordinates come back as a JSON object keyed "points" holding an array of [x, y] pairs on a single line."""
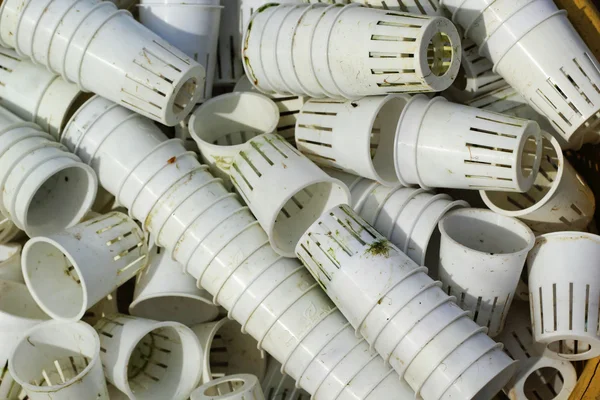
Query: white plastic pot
{"points": [[558, 200], [560, 83], [44, 187], [70, 271], [36, 94], [134, 171], [164, 292], [352, 59], [355, 136], [229, 63], [284, 211], [10, 263], [59, 360], [228, 351], [472, 148], [226, 250], [275, 385], [506, 100], [191, 27], [429, 7], [475, 76], [563, 294], [481, 265], [223, 124], [540, 375], [149, 359], [18, 313], [143, 73], [289, 108], [233, 387], [400, 311]]}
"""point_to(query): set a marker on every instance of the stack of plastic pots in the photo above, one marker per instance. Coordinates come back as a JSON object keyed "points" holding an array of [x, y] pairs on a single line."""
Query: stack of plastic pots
{"points": [[361, 52], [401, 312], [149, 359], [408, 217], [45, 188], [36, 94], [223, 124], [284, 212], [507, 100], [564, 294], [228, 351], [354, 136], [18, 313], [537, 374], [289, 108], [475, 76], [558, 200], [472, 148], [481, 266], [273, 298], [560, 83], [190, 26], [164, 292], [233, 387], [143, 73], [59, 360], [85, 263]]}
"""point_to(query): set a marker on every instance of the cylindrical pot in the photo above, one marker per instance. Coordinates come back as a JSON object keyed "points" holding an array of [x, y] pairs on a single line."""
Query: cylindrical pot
{"points": [[149, 359], [481, 265], [472, 148], [60, 360], [564, 294], [70, 271], [233, 387]]}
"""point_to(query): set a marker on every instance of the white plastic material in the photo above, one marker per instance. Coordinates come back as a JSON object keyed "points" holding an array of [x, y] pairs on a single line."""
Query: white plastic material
{"points": [[475, 76], [507, 100], [287, 209], [277, 386], [564, 294], [59, 360], [8, 230], [191, 27], [149, 359], [36, 94], [44, 187], [10, 263], [233, 387], [408, 217], [472, 148], [289, 107], [481, 258], [537, 376], [361, 51], [355, 136], [106, 306], [228, 351], [18, 313], [70, 271], [400, 311], [164, 292], [558, 200], [143, 73], [221, 244], [561, 83], [223, 124], [424, 7]]}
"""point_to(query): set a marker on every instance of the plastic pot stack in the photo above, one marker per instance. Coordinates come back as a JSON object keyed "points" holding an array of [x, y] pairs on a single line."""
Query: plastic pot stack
{"points": [[143, 73], [225, 249], [362, 51], [560, 83]]}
